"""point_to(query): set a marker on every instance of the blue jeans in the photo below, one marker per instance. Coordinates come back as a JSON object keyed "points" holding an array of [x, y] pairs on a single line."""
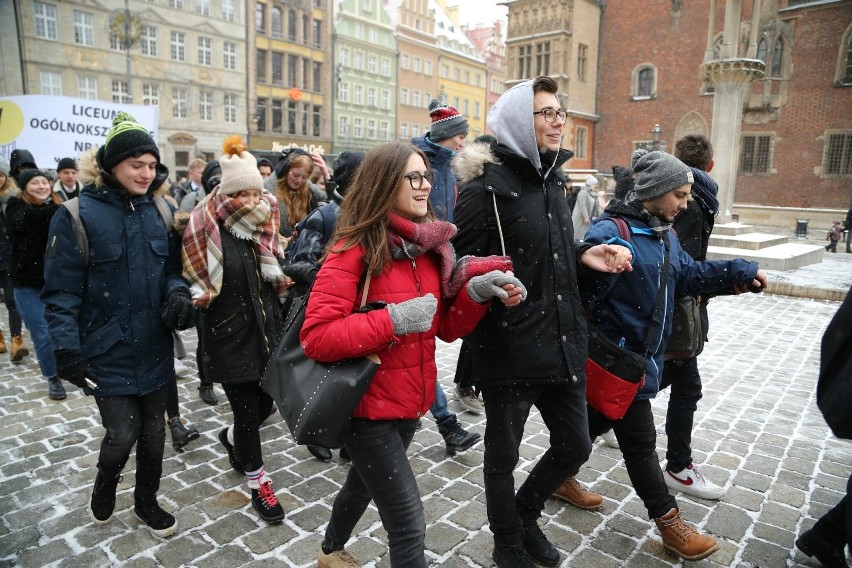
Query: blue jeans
{"points": [[380, 471], [439, 409], [563, 409], [133, 420], [31, 307], [685, 382]]}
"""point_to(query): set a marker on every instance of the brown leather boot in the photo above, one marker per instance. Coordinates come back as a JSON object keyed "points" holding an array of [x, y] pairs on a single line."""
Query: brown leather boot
{"points": [[18, 349], [572, 492], [2, 343], [681, 539]]}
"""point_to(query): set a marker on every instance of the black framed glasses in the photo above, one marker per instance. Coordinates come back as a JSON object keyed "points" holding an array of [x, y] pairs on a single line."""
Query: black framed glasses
{"points": [[549, 114], [415, 179]]}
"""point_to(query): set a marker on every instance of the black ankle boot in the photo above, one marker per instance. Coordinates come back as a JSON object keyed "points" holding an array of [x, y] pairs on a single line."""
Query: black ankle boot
{"points": [[181, 435], [830, 554], [102, 504]]}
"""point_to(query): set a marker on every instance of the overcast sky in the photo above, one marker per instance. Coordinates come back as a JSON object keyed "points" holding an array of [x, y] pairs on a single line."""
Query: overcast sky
{"points": [[481, 12]]}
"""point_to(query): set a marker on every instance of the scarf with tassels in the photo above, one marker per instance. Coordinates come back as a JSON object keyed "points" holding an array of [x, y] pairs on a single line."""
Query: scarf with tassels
{"points": [[408, 240], [202, 243]]}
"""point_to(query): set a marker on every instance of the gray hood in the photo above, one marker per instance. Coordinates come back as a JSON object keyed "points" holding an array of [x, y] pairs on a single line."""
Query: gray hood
{"points": [[511, 121]]}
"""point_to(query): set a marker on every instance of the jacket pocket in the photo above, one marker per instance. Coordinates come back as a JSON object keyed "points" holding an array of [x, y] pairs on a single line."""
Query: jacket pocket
{"points": [[101, 340], [160, 247], [228, 327], [100, 253]]}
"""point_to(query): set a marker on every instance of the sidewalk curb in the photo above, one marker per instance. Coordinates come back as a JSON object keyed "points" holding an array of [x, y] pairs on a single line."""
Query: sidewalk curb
{"points": [[799, 291]]}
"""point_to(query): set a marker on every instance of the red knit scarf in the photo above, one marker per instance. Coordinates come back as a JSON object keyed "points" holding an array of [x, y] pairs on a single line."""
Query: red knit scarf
{"points": [[408, 239], [202, 243]]}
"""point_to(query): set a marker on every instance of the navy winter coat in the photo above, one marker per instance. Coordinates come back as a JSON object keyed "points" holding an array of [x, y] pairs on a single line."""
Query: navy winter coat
{"points": [[444, 190], [111, 309], [621, 305]]}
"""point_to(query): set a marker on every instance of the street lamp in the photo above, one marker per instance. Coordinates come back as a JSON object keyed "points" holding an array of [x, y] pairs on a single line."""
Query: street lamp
{"points": [[655, 136]]}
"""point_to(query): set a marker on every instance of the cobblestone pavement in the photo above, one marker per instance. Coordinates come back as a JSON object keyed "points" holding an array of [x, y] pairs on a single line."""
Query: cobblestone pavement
{"points": [[757, 431]]}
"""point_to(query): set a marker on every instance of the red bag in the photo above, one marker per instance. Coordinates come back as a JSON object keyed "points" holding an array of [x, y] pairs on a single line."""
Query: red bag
{"points": [[613, 376]]}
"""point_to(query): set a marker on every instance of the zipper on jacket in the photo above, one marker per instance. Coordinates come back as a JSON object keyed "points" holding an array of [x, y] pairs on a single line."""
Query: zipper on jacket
{"points": [[420, 340], [260, 300]]}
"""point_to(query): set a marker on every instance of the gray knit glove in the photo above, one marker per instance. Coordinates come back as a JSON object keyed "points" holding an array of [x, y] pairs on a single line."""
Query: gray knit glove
{"points": [[413, 316], [490, 285]]}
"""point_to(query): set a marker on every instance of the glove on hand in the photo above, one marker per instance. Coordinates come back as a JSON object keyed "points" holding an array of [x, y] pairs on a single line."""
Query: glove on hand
{"points": [[412, 316], [490, 285], [71, 367], [179, 312]]}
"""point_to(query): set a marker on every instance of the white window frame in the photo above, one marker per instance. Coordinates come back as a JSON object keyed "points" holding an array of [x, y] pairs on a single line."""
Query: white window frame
{"points": [[180, 102], [148, 44], [229, 55], [150, 94], [205, 51], [384, 100], [358, 95], [343, 125], [403, 130], [371, 128], [358, 127], [227, 10], [384, 130], [84, 28], [177, 46], [44, 16], [202, 7], [205, 105], [427, 67], [372, 63], [120, 92], [51, 83], [343, 92], [229, 105], [371, 96], [87, 87], [403, 96], [385, 68]]}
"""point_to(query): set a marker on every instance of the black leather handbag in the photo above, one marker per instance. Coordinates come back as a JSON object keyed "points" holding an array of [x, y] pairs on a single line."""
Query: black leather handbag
{"points": [[687, 337], [316, 399]]}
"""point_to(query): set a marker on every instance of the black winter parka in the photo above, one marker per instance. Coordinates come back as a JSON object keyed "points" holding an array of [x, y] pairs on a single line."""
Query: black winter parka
{"points": [[544, 338]]}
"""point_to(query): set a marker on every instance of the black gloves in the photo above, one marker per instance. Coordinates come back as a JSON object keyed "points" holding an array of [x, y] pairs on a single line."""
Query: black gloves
{"points": [[179, 313], [71, 367]]}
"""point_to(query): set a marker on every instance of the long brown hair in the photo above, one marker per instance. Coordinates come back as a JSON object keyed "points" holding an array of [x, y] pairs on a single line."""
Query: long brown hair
{"points": [[369, 200], [297, 202], [30, 200]]}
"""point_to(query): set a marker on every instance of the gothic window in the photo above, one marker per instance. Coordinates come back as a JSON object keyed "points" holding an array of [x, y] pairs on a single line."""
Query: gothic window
{"points": [[844, 63], [837, 160], [777, 55], [644, 83], [755, 155]]}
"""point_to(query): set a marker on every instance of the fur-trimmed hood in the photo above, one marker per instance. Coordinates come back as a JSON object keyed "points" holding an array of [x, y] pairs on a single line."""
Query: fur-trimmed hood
{"points": [[470, 163], [91, 173]]}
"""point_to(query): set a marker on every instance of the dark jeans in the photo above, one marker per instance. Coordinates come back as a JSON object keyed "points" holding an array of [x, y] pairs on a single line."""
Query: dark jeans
{"points": [[9, 300], [836, 525], [380, 471], [563, 409], [133, 420], [172, 408], [685, 382], [637, 437], [251, 405], [464, 368]]}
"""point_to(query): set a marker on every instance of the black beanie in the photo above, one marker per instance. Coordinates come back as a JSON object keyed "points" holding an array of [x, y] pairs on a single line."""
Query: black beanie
{"points": [[446, 121], [66, 164], [126, 138], [211, 170], [345, 168], [27, 175]]}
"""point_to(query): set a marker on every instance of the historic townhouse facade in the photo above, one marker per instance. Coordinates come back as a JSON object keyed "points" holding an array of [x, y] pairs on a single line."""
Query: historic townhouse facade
{"points": [[461, 71], [188, 58], [559, 38], [489, 41], [418, 67], [290, 82], [365, 73]]}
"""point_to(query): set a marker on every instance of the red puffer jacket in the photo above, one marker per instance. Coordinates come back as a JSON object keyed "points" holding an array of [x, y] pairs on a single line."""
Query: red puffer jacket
{"points": [[404, 385]]}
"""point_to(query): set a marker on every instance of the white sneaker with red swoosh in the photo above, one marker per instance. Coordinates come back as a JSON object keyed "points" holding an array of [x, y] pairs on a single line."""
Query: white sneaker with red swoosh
{"points": [[691, 481]]}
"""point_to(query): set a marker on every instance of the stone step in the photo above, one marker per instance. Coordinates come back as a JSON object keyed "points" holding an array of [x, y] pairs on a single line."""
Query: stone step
{"points": [[730, 229], [779, 257], [750, 241]]}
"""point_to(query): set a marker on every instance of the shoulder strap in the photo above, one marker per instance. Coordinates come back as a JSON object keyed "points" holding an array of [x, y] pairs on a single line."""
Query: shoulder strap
{"points": [[165, 212], [623, 227], [73, 207]]}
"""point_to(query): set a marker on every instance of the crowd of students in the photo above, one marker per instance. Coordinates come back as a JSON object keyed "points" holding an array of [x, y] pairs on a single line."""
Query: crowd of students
{"points": [[455, 240]]}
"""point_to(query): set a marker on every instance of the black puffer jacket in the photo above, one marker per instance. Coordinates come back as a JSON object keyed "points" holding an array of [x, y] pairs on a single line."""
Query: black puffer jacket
{"points": [[241, 328], [28, 228], [545, 336]]}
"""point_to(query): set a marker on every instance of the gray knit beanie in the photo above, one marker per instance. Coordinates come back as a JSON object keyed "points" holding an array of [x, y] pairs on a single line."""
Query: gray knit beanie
{"points": [[656, 173]]}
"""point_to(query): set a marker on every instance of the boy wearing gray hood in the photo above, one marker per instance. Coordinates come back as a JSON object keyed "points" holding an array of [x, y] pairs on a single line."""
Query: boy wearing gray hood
{"points": [[512, 202]]}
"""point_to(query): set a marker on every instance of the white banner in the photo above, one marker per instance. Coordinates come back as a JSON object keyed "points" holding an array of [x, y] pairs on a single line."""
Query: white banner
{"points": [[53, 128]]}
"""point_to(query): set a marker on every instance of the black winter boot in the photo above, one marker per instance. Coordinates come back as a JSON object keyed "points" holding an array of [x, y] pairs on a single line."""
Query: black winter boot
{"points": [[160, 522], [457, 438], [102, 504], [825, 548], [181, 435]]}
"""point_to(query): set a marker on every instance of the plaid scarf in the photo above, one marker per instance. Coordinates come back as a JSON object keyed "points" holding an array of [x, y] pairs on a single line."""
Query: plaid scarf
{"points": [[408, 239], [202, 243]]}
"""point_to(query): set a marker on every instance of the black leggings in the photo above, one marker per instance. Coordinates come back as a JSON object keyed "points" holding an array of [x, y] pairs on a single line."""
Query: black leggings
{"points": [[9, 300], [251, 406]]}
